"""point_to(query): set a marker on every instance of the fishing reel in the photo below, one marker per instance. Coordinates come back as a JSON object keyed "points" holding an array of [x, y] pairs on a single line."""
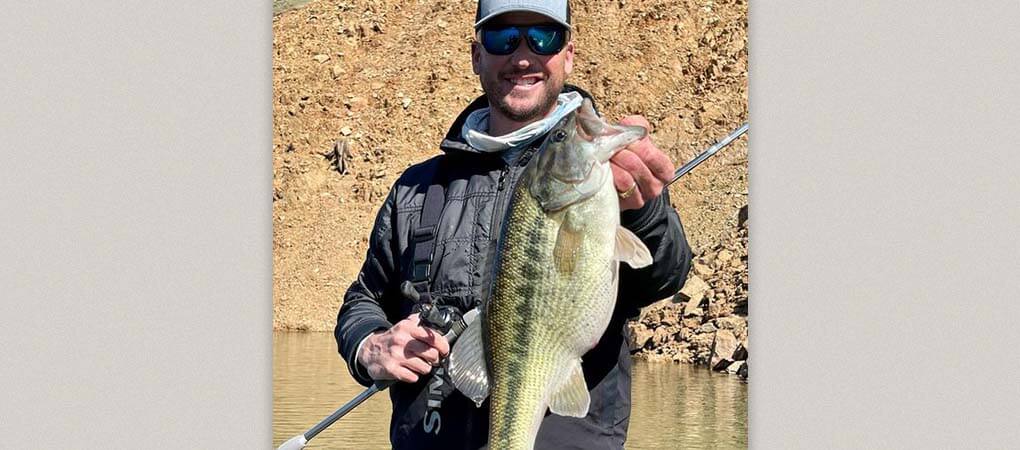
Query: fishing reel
{"points": [[445, 319]]}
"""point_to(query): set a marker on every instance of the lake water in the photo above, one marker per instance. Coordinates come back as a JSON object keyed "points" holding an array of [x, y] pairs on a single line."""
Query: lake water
{"points": [[674, 405]]}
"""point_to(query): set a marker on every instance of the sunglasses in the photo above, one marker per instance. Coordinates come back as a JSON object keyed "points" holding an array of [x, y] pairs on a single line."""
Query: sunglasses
{"points": [[542, 39]]}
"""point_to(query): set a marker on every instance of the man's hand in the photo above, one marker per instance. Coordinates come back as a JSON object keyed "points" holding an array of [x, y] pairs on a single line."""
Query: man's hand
{"points": [[640, 170], [403, 352]]}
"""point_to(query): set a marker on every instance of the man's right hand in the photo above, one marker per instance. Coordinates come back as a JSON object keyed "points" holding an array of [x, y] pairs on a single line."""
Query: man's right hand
{"points": [[403, 352]]}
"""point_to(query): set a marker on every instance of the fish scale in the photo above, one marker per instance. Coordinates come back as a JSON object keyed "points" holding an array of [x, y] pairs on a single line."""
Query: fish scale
{"points": [[535, 309], [554, 283]]}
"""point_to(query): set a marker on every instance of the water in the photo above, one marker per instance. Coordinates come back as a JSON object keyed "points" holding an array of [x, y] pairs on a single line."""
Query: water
{"points": [[674, 406]]}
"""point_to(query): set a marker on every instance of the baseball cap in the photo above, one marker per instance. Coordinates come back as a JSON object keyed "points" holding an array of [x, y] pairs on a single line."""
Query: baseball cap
{"points": [[558, 10]]}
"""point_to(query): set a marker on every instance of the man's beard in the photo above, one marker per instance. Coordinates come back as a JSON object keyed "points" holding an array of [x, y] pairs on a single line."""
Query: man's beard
{"points": [[534, 113]]}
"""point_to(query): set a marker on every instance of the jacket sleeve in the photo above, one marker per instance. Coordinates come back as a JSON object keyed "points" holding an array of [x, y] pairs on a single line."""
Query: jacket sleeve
{"points": [[362, 311], [658, 226]]}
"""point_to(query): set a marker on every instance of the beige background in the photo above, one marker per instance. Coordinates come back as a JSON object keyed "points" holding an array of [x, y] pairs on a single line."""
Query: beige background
{"points": [[136, 272]]}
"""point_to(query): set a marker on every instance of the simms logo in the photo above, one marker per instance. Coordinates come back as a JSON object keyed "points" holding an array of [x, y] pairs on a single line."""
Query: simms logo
{"points": [[433, 421]]}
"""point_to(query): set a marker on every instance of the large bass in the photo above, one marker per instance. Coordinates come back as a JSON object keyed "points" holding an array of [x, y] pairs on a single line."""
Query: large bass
{"points": [[554, 285]]}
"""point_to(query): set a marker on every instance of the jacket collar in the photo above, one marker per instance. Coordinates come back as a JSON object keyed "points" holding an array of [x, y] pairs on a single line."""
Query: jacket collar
{"points": [[454, 142]]}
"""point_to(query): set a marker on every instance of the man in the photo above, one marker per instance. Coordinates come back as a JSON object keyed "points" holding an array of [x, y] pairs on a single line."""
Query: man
{"points": [[522, 54]]}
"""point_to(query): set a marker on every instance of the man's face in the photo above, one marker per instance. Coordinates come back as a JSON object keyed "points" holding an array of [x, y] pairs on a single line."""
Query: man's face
{"points": [[523, 86]]}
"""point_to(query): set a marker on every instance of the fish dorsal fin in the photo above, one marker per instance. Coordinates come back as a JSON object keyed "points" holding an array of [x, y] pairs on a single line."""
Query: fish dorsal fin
{"points": [[631, 250], [571, 398], [467, 364]]}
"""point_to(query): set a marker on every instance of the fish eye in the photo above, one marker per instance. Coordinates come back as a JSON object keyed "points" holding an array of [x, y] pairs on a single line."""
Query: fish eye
{"points": [[559, 136]]}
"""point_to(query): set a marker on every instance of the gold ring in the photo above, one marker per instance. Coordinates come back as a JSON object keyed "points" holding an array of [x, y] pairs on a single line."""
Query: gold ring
{"points": [[629, 192]]}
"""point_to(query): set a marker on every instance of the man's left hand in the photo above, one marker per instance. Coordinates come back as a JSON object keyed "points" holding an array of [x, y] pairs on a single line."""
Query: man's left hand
{"points": [[640, 170]]}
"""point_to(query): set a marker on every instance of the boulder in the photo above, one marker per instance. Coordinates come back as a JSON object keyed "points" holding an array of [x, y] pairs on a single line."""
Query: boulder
{"points": [[702, 270], [637, 335], [701, 348], [692, 322], [694, 287], [662, 335], [725, 255], [723, 346], [647, 311], [731, 323], [693, 307], [740, 354], [715, 309], [735, 367], [670, 314]]}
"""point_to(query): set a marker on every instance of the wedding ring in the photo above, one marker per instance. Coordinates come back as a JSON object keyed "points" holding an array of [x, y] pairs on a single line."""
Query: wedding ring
{"points": [[629, 192]]}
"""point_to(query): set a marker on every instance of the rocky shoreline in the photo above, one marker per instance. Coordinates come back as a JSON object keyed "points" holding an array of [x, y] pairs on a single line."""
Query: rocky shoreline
{"points": [[706, 322]]}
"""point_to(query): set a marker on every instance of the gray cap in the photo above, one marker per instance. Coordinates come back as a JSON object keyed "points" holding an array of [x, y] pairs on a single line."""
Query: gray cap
{"points": [[558, 10]]}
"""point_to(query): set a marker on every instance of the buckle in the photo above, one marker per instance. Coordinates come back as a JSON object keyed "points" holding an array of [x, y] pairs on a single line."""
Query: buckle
{"points": [[420, 271], [420, 233]]}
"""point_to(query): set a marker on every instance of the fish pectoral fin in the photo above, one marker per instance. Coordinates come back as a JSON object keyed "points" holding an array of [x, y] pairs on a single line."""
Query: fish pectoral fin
{"points": [[572, 398], [631, 250], [568, 242], [467, 364]]}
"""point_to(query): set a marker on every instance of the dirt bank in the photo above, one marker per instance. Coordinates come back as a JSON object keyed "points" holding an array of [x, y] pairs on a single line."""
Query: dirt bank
{"points": [[389, 77]]}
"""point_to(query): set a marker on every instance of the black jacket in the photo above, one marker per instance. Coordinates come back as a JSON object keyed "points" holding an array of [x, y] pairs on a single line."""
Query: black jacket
{"points": [[478, 187]]}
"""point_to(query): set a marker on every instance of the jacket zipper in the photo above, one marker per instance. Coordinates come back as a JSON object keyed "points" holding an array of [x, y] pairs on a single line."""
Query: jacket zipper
{"points": [[500, 209], [494, 222]]}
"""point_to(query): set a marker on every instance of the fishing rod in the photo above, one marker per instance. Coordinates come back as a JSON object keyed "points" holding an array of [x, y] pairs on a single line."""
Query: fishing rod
{"points": [[440, 319], [432, 316], [708, 153]]}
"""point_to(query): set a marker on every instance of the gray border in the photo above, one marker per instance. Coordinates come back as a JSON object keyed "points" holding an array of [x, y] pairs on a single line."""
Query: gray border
{"points": [[136, 231], [883, 210], [136, 238]]}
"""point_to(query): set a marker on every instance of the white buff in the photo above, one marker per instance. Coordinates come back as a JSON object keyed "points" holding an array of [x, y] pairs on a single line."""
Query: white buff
{"points": [[477, 125]]}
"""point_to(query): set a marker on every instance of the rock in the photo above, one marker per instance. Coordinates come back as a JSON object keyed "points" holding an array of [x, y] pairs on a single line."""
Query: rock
{"points": [[701, 348], [742, 217], [661, 336], [692, 323], [637, 335], [321, 58], [694, 286], [702, 270], [715, 309], [735, 367], [723, 346], [670, 315], [405, 102], [731, 323], [724, 255], [645, 314], [346, 131], [336, 71], [693, 307], [740, 353], [742, 371], [707, 328]]}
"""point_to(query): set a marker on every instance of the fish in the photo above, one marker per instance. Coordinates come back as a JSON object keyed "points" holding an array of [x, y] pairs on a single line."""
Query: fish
{"points": [[554, 277]]}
